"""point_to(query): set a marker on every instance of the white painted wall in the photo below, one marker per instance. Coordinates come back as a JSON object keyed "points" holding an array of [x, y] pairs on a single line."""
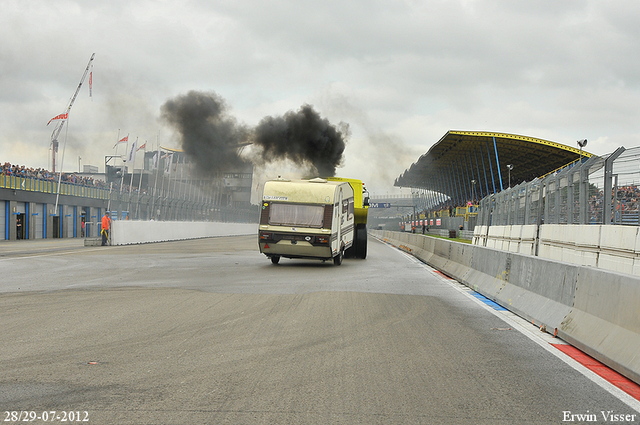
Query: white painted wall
{"points": [[615, 248], [126, 232]]}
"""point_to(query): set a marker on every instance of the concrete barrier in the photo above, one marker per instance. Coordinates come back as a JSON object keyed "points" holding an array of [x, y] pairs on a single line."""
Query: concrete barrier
{"points": [[587, 238], [495, 237], [489, 271], [460, 260], [515, 237], [528, 239], [479, 236], [594, 309], [604, 321], [617, 248], [539, 290], [551, 240], [125, 232]]}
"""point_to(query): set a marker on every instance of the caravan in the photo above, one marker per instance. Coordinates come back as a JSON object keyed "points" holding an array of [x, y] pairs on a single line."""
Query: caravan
{"points": [[306, 219]]}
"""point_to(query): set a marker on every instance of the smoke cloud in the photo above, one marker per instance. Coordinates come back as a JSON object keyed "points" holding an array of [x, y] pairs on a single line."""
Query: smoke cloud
{"points": [[304, 138], [210, 136], [213, 138]]}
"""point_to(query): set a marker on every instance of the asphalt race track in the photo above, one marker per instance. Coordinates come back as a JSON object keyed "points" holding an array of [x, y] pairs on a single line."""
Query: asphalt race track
{"points": [[210, 332]]}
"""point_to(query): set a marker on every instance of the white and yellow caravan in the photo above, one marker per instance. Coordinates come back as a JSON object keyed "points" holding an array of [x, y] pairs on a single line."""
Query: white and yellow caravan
{"points": [[306, 219]]}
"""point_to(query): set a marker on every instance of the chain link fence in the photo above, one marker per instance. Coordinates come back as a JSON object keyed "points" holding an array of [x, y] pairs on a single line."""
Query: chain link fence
{"points": [[597, 190]]}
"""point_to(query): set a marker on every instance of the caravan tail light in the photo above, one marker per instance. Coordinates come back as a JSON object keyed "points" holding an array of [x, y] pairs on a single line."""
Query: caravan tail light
{"points": [[322, 239], [265, 236]]}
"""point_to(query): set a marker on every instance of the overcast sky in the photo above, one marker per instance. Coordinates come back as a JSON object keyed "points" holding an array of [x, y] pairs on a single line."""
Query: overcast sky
{"points": [[400, 73]]}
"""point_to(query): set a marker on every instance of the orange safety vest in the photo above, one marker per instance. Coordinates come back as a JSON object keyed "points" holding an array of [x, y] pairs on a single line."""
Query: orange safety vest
{"points": [[105, 222]]}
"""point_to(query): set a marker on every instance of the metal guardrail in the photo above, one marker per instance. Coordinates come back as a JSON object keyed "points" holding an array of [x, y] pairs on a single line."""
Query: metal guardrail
{"points": [[188, 204], [34, 184], [598, 190]]}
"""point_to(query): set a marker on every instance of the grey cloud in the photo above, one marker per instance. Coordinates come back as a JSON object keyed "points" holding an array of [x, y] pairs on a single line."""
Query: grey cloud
{"points": [[558, 68]]}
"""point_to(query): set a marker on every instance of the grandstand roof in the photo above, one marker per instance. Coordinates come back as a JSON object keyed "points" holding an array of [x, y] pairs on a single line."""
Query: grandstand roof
{"points": [[460, 157]]}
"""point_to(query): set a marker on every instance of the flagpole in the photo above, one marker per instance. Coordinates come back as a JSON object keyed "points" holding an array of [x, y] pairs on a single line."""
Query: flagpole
{"points": [[190, 182], [176, 183], [64, 147], [167, 198], [109, 203], [122, 173], [156, 163], [181, 182], [160, 199], [169, 193], [115, 147], [190, 191], [178, 211], [187, 195], [132, 159], [105, 171], [180, 188], [140, 182], [161, 195]]}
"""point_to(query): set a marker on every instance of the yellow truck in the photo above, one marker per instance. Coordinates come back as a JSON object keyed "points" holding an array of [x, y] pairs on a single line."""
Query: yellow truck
{"points": [[361, 209], [313, 218]]}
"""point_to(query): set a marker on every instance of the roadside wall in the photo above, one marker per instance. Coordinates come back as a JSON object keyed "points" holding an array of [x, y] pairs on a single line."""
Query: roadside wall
{"points": [[595, 310], [125, 232], [614, 248]]}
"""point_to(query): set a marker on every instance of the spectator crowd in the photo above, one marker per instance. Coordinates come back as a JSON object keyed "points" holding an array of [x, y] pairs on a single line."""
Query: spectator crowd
{"points": [[8, 169], [42, 174], [625, 204]]}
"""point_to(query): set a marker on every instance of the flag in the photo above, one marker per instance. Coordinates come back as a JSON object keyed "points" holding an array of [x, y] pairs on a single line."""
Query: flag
{"points": [[132, 153], [144, 146], [90, 83], [155, 160], [59, 117], [124, 139], [167, 166]]}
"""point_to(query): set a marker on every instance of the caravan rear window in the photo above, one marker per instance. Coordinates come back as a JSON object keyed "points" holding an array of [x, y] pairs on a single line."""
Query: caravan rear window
{"points": [[296, 215]]}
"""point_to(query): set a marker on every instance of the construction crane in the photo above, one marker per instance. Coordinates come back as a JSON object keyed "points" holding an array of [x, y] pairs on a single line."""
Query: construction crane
{"points": [[58, 128]]}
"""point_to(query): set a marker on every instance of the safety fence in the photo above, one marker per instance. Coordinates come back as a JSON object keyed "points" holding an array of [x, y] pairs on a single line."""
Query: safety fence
{"points": [[466, 212], [179, 201], [597, 190], [33, 184], [30, 208]]}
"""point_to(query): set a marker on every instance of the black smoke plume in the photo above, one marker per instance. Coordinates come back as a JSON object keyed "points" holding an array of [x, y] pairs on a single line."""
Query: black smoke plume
{"points": [[302, 137], [213, 138], [210, 136]]}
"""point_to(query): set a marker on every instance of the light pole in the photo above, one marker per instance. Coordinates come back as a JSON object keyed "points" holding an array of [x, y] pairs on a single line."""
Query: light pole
{"points": [[473, 190], [510, 167], [582, 143]]}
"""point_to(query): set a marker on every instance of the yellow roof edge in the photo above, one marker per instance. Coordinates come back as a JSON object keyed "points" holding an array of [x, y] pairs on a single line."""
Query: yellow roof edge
{"points": [[520, 137], [171, 149]]}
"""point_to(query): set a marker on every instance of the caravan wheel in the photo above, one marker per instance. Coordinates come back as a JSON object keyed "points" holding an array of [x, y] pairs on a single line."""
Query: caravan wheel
{"points": [[275, 259], [337, 260]]}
